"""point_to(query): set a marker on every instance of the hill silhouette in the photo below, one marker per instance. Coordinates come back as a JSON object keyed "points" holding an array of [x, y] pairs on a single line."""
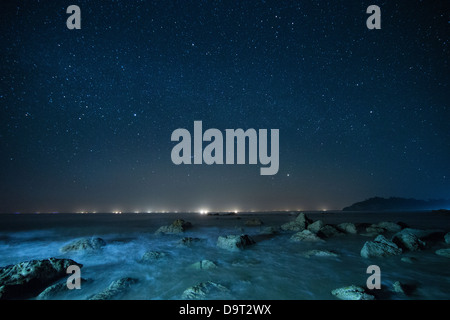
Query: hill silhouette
{"points": [[397, 204]]}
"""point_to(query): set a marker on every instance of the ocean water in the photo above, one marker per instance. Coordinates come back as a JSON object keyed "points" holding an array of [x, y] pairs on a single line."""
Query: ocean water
{"points": [[274, 268]]}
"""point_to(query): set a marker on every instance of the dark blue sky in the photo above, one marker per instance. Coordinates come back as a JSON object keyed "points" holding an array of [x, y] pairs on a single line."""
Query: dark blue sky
{"points": [[86, 115]]}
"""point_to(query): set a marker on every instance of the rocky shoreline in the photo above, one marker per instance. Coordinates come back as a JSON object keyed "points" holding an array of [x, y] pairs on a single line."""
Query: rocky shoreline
{"points": [[46, 278]]}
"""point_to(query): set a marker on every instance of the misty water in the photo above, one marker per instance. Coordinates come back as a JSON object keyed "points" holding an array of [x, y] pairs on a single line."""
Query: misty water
{"points": [[273, 268]]}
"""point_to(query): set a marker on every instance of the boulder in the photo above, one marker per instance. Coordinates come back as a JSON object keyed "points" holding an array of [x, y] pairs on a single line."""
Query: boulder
{"points": [[347, 227], [352, 293], [27, 279], [447, 237], [253, 222], [443, 252], [408, 259], [316, 226], [389, 226], [320, 253], [305, 235], [398, 287], [203, 290], [269, 230], [408, 241], [402, 288], [329, 231], [424, 235], [178, 226], [299, 224], [203, 265], [380, 247], [234, 242], [188, 241], [152, 256], [375, 230], [84, 245], [115, 289], [57, 289]]}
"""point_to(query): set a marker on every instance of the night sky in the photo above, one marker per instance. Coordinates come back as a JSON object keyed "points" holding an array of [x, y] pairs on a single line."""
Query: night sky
{"points": [[86, 116]]}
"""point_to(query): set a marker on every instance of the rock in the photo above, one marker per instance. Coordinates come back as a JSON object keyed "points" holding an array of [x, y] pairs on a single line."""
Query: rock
{"points": [[152, 256], [178, 226], [85, 244], [27, 279], [234, 242], [380, 247], [320, 253], [305, 235], [402, 288], [347, 227], [115, 289], [443, 252], [398, 287], [203, 290], [269, 230], [316, 226], [57, 289], [389, 226], [408, 259], [188, 241], [447, 237], [204, 265], [352, 293], [253, 222], [424, 235], [408, 241], [375, 230], [246, 263], [328, 231], [299, 224]]}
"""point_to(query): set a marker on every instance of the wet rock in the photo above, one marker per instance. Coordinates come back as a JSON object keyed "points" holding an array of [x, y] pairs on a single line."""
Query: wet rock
{"points": [[424, 235], [347, 227], [203, 265], [253, 222], [246, 263], [408, 259], [299, 224], [178, 226], [388, 226], [152, 256], [398, 287], [204, 290], [320, 253], [57, 289], [352, 293], [443, 252], [329, 231], [380, 247], [402, 288], [188, 241], [305, 235], [375, 230], [447, 237], [269, 230], [408, 241], [316, 226], [234, 242], [27, 279], [85, 244], [115, 289]]}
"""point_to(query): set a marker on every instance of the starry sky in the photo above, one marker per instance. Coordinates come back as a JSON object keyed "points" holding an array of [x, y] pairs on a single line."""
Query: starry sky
{"points": [[86, 116]]}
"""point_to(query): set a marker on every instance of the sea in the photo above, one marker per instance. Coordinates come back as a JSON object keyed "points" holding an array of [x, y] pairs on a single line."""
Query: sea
{"points": [[275, 268]]}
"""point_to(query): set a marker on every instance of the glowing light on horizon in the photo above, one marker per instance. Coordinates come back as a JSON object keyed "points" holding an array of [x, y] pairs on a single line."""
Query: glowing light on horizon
{"points": [[203, 211]]}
